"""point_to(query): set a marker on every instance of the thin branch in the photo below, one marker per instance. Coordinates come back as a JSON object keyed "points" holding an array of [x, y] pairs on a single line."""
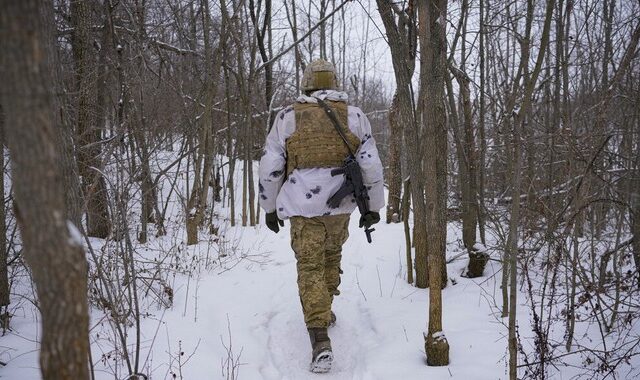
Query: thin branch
{"points": [[285, 51]]}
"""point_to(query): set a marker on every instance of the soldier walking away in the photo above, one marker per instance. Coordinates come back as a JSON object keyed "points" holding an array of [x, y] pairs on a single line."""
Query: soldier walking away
{"points": [[309, 174]]}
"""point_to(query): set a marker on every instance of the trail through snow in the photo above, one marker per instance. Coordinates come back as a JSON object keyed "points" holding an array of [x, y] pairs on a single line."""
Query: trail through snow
{"points": [[255, 307]]}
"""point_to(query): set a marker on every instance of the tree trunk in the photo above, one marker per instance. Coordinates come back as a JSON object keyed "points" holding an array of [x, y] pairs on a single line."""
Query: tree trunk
{"points": [[407, 231], [433, 46], [231, 152], [520, 118], [139, 132], [206, 137], [4, 273], [466, 153], [403, 60], [481, 127], [394, 173], [635, 214], [147, 188], [266, 51], [68, 159], [509, 307], [251, 201], [470, 216], [51, 243], [467, 160], [89, 134]]}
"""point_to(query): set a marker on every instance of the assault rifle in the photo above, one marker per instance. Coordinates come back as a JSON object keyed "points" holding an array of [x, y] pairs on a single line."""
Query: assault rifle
{"points": [[353, 183]]}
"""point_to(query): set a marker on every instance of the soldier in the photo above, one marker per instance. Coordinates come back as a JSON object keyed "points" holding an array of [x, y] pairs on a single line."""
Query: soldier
{"points": [[302, 148]]}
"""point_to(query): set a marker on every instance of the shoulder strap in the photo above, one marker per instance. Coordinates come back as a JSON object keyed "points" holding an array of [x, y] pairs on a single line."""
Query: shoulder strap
{"points": [[336, 124]]}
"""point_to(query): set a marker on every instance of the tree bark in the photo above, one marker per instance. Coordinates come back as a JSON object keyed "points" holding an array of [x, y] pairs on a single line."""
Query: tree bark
{"points": [[432, 16], [481, 128], [394, 173], [206, 151], [407, 231], [634, 210], [88, 132], [4, 273], [51, 245], [231, 152], [139, 132], [470, 202]]}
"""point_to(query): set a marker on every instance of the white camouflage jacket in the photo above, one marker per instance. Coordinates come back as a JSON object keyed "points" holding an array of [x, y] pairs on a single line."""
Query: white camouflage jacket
{"points": [[306, 191]]}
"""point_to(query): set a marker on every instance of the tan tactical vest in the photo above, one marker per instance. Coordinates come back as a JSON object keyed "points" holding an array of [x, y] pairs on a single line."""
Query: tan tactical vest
{"points": [[316, 143]]}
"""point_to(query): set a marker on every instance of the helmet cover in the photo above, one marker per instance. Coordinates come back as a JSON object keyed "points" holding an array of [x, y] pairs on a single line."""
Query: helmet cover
{"points": [[319, 75]]}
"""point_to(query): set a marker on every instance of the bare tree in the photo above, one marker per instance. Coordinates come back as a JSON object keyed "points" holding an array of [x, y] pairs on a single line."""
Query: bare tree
{"points": [[4, 273], [403, 70], [206, 132], [88, 129], [51, 242], [516, 158], [394, 170], [433, 47]]}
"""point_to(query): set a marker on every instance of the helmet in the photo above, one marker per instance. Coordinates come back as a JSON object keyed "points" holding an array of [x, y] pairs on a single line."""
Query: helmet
{"points": [[319, 75]]}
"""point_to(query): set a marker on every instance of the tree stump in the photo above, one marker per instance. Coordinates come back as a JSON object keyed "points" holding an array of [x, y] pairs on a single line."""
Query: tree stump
{"points": [[436, 347], [478, 258], [192, 230]]}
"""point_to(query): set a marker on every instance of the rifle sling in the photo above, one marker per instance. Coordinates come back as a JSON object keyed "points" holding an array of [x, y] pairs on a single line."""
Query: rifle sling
{"points": [[336, 124]]}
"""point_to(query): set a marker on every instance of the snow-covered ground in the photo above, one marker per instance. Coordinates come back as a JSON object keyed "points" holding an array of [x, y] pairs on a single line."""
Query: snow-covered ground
{"points": [[380, 318], [250, 315]]}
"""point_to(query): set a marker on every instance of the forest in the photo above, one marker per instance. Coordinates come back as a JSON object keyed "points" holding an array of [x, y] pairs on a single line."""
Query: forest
{"points": [[133, 246]]}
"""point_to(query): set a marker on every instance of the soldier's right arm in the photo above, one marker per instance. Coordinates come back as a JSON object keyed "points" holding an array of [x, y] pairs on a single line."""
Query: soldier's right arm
{"points": [[369, 161], [273, 162]]}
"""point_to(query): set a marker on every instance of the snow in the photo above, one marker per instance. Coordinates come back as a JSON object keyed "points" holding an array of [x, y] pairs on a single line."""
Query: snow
{"points": [[378, 334], [252, 307], [479, 247], [75, 237]]}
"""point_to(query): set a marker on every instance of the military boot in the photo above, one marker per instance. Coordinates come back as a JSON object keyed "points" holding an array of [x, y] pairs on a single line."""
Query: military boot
{"points": [[321, 356]]}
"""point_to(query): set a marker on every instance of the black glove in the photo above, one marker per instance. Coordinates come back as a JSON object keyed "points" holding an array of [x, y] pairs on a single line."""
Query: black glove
{"points": [[273, 221], [369, 219]]}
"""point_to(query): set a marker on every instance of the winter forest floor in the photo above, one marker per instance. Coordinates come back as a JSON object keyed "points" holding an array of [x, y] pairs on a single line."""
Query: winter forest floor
{"points": [[228, 308], [251, 315]]}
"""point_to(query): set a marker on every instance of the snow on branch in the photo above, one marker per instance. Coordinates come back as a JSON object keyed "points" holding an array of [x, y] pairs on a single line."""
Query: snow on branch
{"points": [[175, 49]]}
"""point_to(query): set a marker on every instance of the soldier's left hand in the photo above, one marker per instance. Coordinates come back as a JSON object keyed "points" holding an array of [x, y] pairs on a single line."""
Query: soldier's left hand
{"points": [[273, 221]]}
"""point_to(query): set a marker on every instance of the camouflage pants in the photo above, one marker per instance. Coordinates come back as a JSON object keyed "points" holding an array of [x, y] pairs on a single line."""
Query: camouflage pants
{"points": [[317, 243]]}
